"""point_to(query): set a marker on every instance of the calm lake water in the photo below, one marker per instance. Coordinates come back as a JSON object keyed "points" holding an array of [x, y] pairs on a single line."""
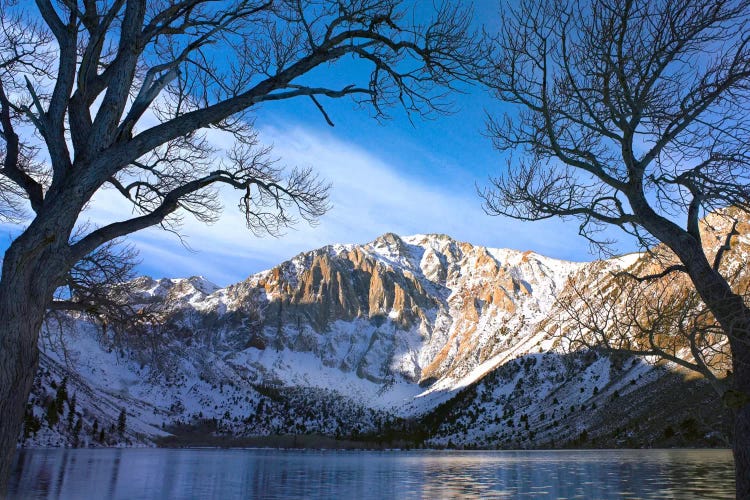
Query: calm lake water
{"points": [[210, 473]]}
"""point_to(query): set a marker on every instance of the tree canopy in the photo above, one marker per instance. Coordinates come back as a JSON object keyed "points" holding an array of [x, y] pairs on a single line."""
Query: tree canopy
{"points": [[121, 94], [633, 114]]}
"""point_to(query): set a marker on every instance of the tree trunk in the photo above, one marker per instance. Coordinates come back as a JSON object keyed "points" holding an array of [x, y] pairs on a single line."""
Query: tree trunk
{"points": [[733, 315], [741, 443], [19, 329], [31, 267]]}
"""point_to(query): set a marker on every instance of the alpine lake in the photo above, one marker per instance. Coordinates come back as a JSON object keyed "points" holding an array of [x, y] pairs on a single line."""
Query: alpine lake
{"points": [[273, 473]]}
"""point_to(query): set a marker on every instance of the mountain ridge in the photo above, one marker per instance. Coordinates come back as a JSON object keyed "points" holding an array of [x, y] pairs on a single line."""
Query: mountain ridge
{"points": [[386, 332]]}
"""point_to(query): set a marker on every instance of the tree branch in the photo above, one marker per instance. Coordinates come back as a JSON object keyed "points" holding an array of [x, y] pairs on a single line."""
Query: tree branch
{"points": [[11, 168], [727, 246], [650, 277]]}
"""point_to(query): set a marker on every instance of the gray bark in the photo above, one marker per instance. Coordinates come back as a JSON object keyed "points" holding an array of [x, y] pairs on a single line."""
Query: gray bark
{"points": [[33, 266], [26, 291], [741, 450], [733, 315], [18, 363]]}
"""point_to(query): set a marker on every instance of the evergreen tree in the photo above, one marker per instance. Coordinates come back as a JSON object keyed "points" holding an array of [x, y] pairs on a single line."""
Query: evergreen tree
{"points": [[71, 412], [62, 395], [77, 433], [52, 415], [31, 424], [95, 429], [101, 435], [26, 431], [121, 422]]}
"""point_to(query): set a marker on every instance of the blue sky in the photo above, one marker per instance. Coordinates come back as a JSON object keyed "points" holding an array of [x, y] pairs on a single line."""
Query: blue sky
{"points": [[401, 176], [394, 176]]}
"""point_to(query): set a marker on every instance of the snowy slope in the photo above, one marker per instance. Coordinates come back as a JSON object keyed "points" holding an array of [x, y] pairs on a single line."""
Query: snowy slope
{"points": [[369, 334]]}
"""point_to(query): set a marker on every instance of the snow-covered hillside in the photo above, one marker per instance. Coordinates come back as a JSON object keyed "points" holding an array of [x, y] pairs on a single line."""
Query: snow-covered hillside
{"points": [[346, 340]]}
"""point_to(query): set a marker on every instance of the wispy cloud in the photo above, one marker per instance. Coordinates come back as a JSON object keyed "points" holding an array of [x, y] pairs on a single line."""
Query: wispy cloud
{"points": [[369, 197]]}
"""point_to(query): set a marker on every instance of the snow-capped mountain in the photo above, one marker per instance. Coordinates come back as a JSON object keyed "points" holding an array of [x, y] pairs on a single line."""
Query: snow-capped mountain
{"points": [[423, 335]]}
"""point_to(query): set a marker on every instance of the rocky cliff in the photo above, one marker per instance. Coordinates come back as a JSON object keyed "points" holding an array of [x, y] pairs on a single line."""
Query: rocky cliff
{"points": [[352, 340]]}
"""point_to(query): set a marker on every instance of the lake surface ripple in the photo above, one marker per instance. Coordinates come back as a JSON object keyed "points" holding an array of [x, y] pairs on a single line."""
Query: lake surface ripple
{"points": [[261, 473]]}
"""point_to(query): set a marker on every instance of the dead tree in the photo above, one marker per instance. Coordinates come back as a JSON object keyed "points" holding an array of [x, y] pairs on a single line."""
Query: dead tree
{"points": [[632, 114], [120, 93], [661, 318]]}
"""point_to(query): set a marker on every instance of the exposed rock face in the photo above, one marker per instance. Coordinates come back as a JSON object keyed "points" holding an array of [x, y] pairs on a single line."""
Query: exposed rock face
{"points": [[394, 327], [343, 287], [428, 307]]}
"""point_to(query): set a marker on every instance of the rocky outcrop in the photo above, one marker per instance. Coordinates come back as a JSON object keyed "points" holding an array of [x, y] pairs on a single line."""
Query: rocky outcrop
{"points": [[430, 292], [343, 287], [393, 328], [423, 308]]}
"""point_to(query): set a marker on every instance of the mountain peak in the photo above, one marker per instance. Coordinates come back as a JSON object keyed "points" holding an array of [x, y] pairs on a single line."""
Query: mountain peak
{"points": [[203, 285], [388, 240], [399, 325]]}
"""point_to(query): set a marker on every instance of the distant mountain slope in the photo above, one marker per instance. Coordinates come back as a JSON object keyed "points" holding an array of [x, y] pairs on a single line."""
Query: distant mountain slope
{"points": [[356, 340]]}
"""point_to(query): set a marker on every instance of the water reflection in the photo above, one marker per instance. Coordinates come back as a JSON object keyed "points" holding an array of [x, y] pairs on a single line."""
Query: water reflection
{"points": [[159, 473]]}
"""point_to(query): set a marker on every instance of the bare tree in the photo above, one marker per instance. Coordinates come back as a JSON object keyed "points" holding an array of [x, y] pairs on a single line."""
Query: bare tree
{"points": [[633, 114], [120, 94], [644, 311], [101, 288]]}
